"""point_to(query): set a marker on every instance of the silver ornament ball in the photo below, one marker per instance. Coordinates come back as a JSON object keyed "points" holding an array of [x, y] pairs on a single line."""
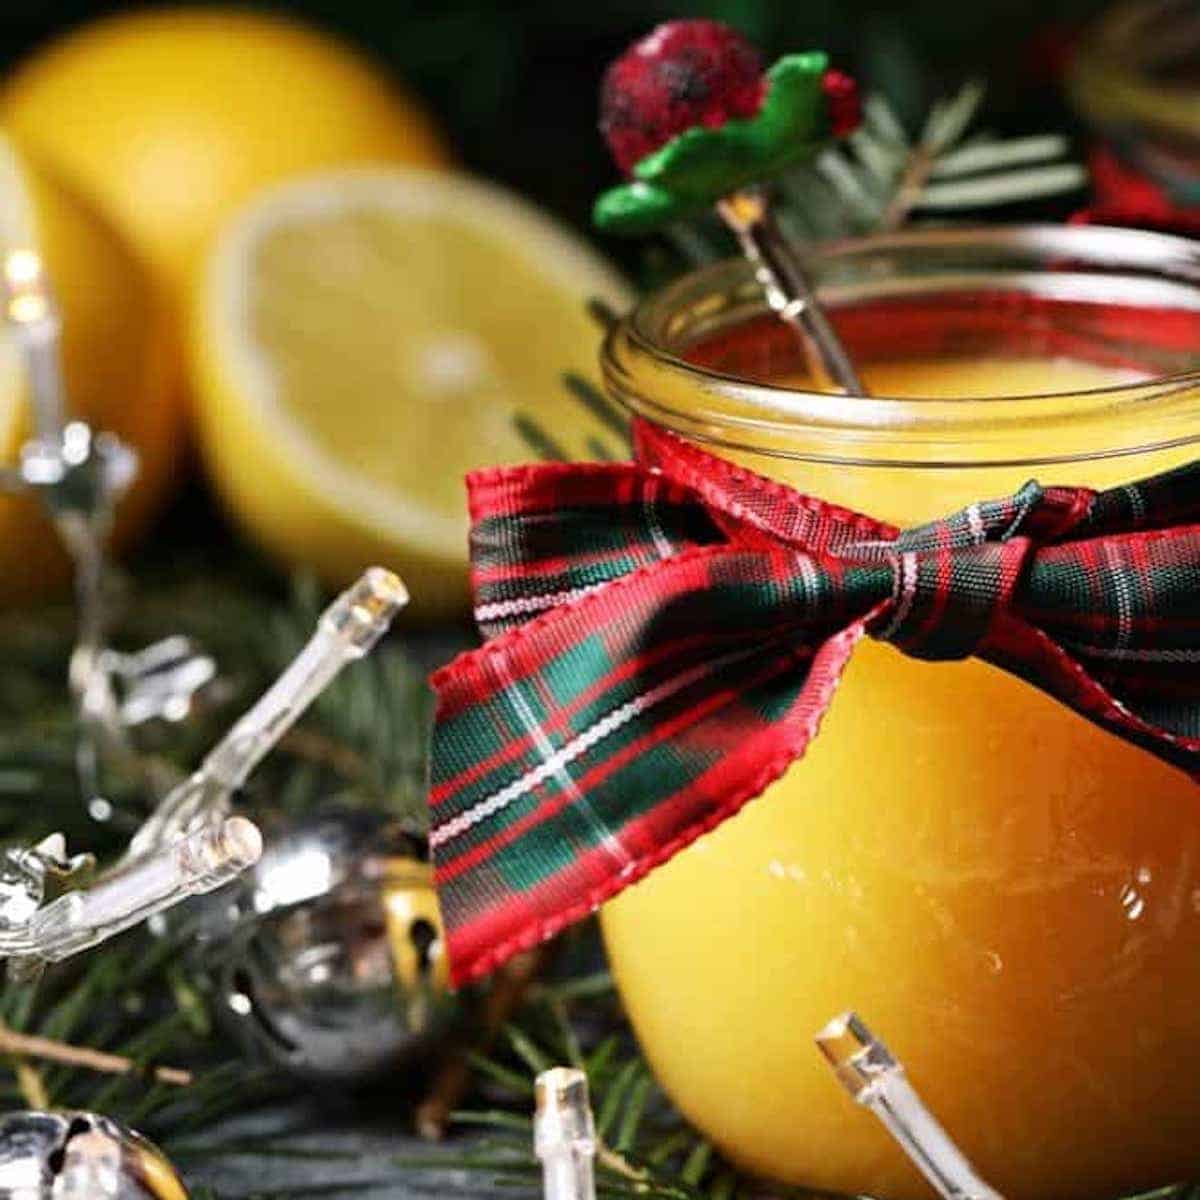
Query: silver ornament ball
{"points": [[328, 958], [80, 1156]]}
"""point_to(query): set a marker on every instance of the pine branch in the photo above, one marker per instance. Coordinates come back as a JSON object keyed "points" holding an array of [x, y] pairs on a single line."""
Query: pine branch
{"points": [[879, 179]]}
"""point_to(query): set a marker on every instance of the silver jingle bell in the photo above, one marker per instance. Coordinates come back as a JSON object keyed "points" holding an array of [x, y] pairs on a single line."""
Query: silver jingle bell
{"points": [[80, 1156], [328, 960]]}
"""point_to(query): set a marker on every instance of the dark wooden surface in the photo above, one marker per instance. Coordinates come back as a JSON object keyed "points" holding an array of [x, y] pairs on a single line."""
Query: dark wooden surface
{"points": [[311, 1151]]}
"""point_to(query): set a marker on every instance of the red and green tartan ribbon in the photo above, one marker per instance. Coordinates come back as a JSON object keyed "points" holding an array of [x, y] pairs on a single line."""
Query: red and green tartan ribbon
{"points": [[666, 635]]}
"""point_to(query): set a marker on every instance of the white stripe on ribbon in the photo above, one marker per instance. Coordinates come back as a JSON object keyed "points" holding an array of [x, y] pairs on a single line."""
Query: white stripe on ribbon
{"points": [[1136, 501], [1125, 654], [809, 576], [1124, 599], [546, 748], [903, 595], [650, 509], [579, 745], [531, 604], [976, 525]]}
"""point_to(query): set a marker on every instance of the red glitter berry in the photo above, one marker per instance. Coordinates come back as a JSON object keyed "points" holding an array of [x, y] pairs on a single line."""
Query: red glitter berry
{"points": [[845, 104], [683, 74]]}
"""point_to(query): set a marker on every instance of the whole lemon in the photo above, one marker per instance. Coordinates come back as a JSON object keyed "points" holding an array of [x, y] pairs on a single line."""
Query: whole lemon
{"points": [[117, 363], [169, 120]]}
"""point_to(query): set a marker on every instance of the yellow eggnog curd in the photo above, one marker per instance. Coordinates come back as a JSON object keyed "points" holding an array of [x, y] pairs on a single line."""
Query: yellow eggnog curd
{"points": [[1009, 896]]}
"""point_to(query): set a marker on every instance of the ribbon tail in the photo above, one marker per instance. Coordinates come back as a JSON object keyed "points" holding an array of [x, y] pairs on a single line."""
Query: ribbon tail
{"points": [[1111, 626], [1168, 500], [574, 754], [1031, 654]]}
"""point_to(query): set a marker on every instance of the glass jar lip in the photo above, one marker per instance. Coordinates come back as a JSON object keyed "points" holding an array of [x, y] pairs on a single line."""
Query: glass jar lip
{"points": [[637, 356]]}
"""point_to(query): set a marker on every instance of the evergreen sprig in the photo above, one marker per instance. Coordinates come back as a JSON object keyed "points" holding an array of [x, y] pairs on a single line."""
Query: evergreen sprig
{"points": [[880, 178]]}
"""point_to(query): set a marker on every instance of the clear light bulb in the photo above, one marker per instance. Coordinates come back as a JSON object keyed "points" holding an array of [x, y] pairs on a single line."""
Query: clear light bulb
{"points": [[346, 631], [564, 1135], [31, 310], [198, 863], [191, 843], [868, 1071], [78, 476]]}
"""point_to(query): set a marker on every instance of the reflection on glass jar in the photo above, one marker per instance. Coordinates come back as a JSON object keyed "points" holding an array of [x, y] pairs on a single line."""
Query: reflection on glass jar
{"points": [[1010, 895]]}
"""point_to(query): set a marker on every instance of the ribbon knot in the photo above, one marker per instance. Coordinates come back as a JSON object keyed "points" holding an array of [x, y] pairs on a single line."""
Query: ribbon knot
{"points": [[666, 635], [945, 602]]}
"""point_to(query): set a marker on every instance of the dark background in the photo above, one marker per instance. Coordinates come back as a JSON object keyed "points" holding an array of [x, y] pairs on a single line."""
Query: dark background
{"points": [[515, 84]]}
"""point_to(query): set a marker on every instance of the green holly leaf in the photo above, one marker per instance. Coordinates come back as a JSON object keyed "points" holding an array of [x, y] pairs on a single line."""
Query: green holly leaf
{"points": [[639, 207], [699, 166]]}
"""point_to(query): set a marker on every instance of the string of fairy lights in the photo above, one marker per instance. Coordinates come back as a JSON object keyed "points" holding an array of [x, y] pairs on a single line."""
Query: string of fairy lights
{"points": [[564, 1130], [192, 842]]}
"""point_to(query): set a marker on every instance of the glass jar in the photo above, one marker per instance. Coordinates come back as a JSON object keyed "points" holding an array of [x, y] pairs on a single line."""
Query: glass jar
{"points": [[1008, 895]]}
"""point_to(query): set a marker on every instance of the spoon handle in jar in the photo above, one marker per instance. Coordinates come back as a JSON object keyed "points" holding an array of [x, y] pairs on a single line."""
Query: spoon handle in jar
{"points": [[788, 289]]}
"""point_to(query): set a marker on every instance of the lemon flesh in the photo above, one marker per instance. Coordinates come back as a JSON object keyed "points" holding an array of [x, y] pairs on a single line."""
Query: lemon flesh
{"points": [[363, 339]]}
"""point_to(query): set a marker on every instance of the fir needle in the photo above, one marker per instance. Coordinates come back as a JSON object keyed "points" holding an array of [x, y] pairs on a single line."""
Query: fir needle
{"points": [[452, 1080], [866, 1069]]}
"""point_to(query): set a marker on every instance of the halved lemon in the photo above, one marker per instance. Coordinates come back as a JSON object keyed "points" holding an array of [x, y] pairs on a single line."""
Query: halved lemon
{"points": [[362, 339]]}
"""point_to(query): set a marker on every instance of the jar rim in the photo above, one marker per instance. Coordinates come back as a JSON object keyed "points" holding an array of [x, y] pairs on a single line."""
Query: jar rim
{"points": [[645, 368]]}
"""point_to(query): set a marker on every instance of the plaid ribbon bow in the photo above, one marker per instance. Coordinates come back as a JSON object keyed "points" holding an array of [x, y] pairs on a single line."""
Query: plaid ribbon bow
{"points": [[666, 635]]}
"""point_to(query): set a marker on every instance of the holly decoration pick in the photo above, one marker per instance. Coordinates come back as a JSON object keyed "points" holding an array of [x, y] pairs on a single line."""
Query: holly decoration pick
{"points": [[693, 122]]}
